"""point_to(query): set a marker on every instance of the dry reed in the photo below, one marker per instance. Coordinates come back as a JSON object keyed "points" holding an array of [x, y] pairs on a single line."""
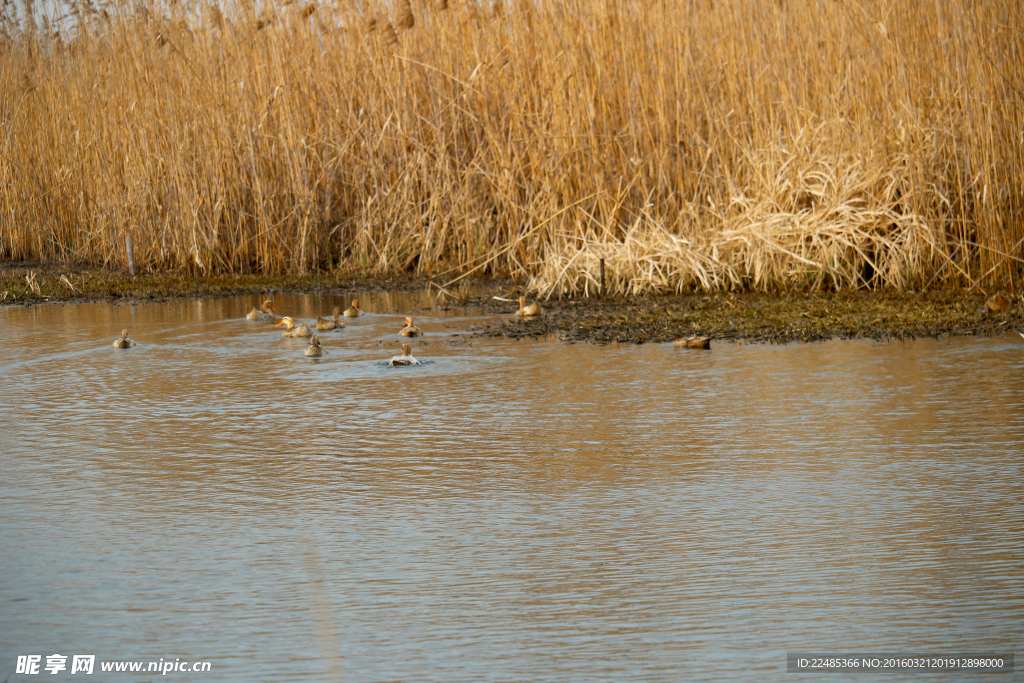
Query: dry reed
{"points": [[711, 145]]}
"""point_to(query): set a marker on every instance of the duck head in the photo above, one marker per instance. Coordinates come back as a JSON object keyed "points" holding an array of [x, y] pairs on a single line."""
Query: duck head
{"points": [[286, 321]]}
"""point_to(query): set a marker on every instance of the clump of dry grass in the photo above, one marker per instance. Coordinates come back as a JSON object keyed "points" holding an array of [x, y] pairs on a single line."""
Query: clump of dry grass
{"points": [[724, 145], [806, 217]]}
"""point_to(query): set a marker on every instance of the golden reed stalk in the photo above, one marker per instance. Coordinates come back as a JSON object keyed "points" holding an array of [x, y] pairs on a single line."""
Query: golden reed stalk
{"points": [[704, 143]]}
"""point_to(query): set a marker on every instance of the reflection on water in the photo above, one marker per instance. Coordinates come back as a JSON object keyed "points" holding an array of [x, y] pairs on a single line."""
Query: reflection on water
{"points": [[508, 511]]}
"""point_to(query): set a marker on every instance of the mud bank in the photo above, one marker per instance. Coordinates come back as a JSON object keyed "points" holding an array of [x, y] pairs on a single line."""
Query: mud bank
{"points": [[766, 318]]}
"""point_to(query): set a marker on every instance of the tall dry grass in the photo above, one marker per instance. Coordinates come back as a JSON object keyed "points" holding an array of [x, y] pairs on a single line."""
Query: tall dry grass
{"points": [[704, 143]]}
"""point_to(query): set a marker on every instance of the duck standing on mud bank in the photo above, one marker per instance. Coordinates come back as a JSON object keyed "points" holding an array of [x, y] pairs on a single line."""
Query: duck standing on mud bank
{"points": [[265, 312], [410, 330], [528, 311], [997, 303], [692, 342]]}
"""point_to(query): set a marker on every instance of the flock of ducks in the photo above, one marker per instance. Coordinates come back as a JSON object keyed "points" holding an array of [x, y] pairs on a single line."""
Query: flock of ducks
{"points": [[315, 348], [267, 312]]}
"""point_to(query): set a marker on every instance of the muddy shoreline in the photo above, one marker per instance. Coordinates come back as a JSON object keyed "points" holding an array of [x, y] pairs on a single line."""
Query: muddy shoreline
{"points": [[755, 317], [29, 284], [804, 317]]}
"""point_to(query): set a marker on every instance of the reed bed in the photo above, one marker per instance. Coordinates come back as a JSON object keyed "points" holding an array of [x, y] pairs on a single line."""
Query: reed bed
{"points": [[715, 144]]}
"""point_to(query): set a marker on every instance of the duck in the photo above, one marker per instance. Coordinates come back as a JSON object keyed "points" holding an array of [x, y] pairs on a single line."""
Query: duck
{"points": [[325, 324], [410, 330], [405, 359], [314, 348], [528, 311], [292, 331], [353, 310], [997, 303], [265, 312], [692, 342], [124, 342]]}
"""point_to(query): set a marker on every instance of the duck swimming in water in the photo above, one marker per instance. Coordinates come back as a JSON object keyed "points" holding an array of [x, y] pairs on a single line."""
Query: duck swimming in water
{"points": [[528, 311], [314, 348], [292, 331], [324, 324], [124, 342], [410, 330], [265, 312], [353, 310], [692, 342], [405, 359]]}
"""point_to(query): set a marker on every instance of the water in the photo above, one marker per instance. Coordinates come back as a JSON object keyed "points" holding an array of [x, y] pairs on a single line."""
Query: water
{"points": [[507, 511]]}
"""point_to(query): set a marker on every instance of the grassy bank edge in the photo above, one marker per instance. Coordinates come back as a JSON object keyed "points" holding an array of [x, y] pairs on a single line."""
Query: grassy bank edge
{"points": [[28, 284]]}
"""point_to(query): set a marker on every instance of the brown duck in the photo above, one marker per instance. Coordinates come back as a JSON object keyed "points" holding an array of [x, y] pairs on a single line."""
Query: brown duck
{"points": [[410, 330], [124, 342], [314, 348], [528, 311], [265, 312], [292, 331], [325, 324], [692, 342], [405, 359], [997, 303]]}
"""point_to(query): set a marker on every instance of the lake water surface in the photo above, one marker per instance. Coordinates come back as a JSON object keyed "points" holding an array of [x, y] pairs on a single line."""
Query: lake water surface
{"points": [[508, 511]]}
